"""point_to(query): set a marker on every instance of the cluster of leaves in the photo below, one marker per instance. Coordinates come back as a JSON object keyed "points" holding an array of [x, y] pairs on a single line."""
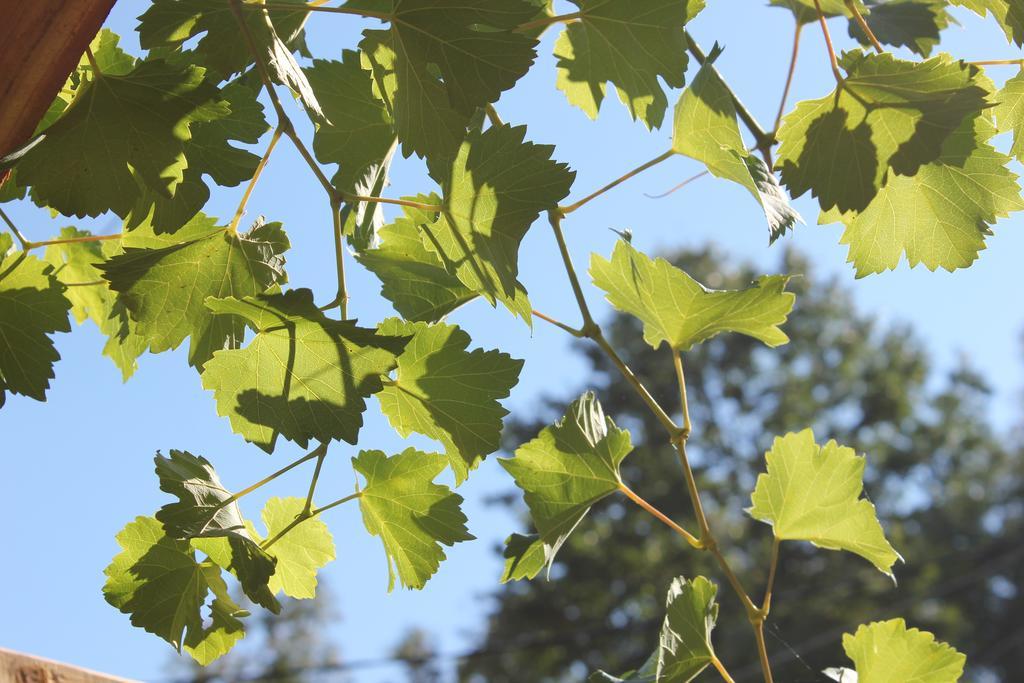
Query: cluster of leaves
{"points": [[899, 153]]}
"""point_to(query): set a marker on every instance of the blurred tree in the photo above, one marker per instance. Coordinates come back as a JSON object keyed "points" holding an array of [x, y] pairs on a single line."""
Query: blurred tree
{"points": [[946, 482], [419, 654], [292, 647]]}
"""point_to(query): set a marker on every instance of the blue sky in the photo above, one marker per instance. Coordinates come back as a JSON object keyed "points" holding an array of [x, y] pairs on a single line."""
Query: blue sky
{"points": [[78, 467]]}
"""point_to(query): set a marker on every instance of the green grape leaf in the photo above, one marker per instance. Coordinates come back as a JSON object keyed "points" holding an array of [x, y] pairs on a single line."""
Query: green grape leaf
{"points": [[913, 24], [164, 288], [1009, 113], [74, 264], [304, 376], [32, 307], [1009, 14], [109, 57], [889, 114], [222, 47], [225, 627], [441, 60], [812, 493], [447, 393], [414, 278], [705, 129], [567, 468], [359, 135], [524, 557], [120, 128], [941, 216], [677, 309], [591, 53], [889, 652], [301, 552], [209, 152], [156, 580], [495, 190], [206, 510], [691, 612], [412, 515]]}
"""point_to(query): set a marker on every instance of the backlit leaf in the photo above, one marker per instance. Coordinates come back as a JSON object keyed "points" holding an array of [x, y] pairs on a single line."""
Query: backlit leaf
{"points": [[412, 515], [812, 493], [569, 466], [677, 309], [304, 376]]}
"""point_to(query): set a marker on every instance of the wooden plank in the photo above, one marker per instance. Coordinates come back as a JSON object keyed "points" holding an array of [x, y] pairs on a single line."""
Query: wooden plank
{"points": [[41, 42], [16, 667]]}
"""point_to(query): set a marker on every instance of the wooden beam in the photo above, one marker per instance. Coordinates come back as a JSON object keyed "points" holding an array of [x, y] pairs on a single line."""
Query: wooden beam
{"points": [[16, 667], [41, 42]]}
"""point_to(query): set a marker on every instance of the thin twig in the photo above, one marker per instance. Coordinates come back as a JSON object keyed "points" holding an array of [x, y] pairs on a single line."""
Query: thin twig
{"points": [[997, 62], [308, 507], [766, 605], [352, 198], [762, 650], [658, 514], [547, 21], [677, 187], [721, 669], [233, 226], [92, 62], [828, 43], [555, 218], [25, 244], [618, 181], [300, 518], [284, 124], [339, 257], [557, 323], [315, 7], [850, 5], [797, 32]]}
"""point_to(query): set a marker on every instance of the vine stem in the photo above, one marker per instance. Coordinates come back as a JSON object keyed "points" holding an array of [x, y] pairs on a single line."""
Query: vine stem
{"points": [[352, 198], [315, 6], [721, 669], [618, 181], [998, 62], [555, 218], [25, 244], [658, 514], [76, 240], [797, 32], [339, 256], [92, 62], [233, 226], [828, 43], [762, 651], [302, 517], [544, 22], [284, 124], [315, 453], [766, 605], [850, 5], [308, 507], [557, 323]]}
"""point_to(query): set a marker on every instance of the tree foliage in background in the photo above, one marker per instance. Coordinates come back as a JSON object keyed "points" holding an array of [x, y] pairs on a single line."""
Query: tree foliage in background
{"points": [[900, 153]]}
